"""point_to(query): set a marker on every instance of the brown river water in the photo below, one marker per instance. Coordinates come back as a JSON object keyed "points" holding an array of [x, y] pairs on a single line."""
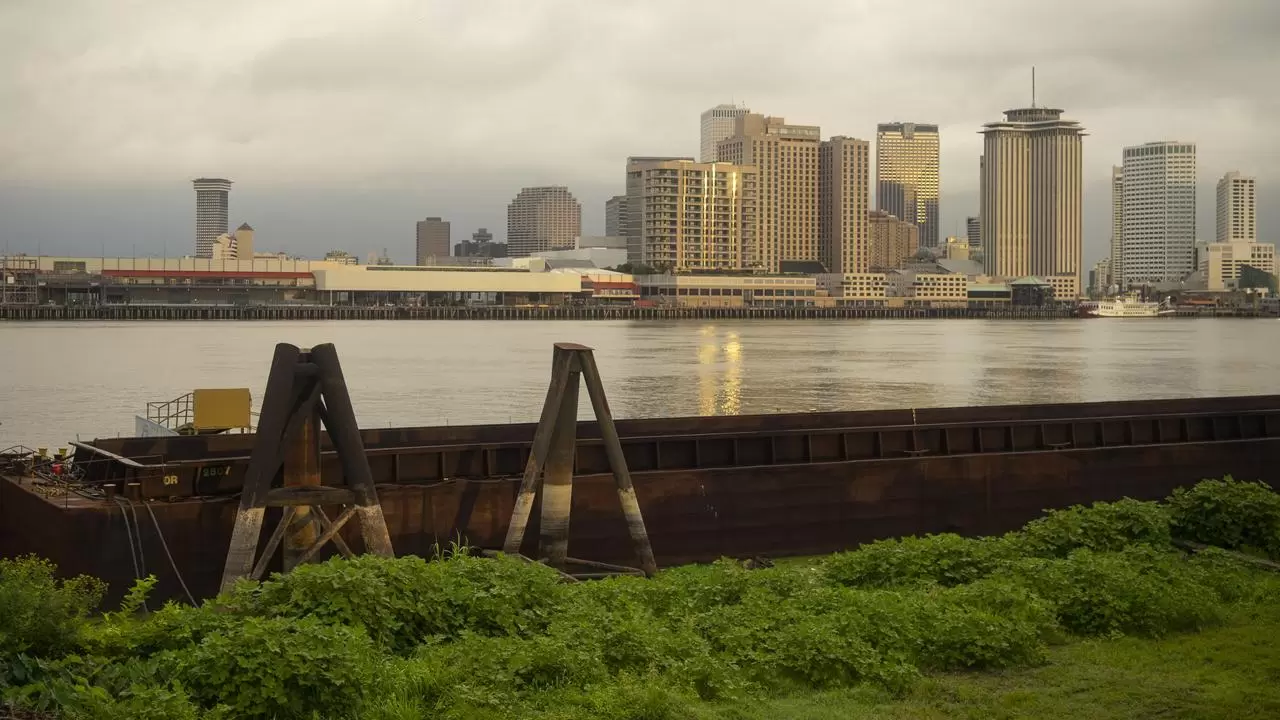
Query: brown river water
{"points": [[63, 380]]}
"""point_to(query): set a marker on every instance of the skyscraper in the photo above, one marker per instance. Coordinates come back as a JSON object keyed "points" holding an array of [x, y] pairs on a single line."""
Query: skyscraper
{"points": [[843, 175], [1237, 212], [211, 212], [907, 175], [433, 241], [1116, 267], [1031, 196], [482, 236], [615, 211], [718, 124], [973, 229], [693, 216], [1158, 215], [542, 218], [786, 157]]}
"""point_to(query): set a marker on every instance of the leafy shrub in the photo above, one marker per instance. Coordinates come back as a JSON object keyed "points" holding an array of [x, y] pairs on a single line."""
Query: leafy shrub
{"points": [[1231, 578], [278, 668], [172, 627], [90, 689], [823, 637], [1103, 526], [946, 559], [1139, 592], [39, 614], [1230, 514], [405, 601], [991, 623]]}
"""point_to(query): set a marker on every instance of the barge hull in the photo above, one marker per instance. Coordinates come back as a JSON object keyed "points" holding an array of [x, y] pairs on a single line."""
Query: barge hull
{"points": [[793, 498]]}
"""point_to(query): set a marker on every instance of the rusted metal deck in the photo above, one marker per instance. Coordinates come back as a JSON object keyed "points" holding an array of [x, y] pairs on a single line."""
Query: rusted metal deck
{"points": [[746, 485]]}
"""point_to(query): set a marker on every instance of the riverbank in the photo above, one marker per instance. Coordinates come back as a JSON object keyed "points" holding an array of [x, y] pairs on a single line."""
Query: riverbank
{"points": [[1094, 612], [548, 312]]}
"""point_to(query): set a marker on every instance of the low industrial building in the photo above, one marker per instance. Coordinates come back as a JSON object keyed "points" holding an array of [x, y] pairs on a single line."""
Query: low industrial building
{"points": [[856, 289], [928, 289], [277, 281], [712, 290]]}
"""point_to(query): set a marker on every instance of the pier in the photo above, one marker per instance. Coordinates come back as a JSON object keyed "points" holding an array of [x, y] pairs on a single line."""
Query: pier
{"points": [[508, 312]]}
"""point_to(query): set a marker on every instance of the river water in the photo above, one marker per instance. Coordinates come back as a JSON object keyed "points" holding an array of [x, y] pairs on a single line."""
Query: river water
{"points": [[63, 380]]}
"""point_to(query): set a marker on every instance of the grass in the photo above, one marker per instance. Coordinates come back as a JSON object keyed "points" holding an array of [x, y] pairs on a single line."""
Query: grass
{"points": [[1232, 671]]}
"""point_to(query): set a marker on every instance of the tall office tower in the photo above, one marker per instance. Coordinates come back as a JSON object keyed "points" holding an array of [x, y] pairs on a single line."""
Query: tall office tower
{"points": [[973, 229], [843, 177], [542, 218], [1158, 217], [893, 241], [907, 175], [433, 241], [615, 211], [1031, 195], [1237, 211], [1116, 267], [693, 216], [786, 157], [630, 215], [717, 124], [211, 212]]}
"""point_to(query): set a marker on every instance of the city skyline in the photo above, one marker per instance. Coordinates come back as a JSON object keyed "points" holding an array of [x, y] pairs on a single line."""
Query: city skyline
{"points": [[310, 179]]}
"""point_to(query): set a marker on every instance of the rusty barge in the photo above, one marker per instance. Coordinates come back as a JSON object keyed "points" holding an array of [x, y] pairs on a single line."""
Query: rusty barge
{"points": [[772, 485]]}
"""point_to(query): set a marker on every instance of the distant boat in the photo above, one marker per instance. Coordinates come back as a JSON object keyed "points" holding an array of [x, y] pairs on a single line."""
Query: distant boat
{"points": [[1124, 307]]}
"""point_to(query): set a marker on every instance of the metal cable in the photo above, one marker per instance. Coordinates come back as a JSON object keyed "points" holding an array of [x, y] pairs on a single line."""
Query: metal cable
{"points": [[142, 557], [128, 532], [169, 555]]}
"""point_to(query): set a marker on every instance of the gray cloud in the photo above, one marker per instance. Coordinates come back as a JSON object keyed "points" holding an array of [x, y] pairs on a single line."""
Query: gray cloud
{"points": [[343, 122]]}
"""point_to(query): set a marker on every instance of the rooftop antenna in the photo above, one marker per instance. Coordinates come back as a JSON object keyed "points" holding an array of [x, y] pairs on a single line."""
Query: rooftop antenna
{"points": [[1033, 86]]}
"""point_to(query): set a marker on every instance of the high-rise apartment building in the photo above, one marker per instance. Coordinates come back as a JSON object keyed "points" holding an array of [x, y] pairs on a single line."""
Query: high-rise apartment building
{"points": [[786, 158], [615, 211], [1158, 213], [211, 212], [433, 241], [542, 218], [718, 123], [973, 229], [692, 216], [893, 241], [1237, 211], [1116, 266], [843, 178], [907, 175], [1031, 196], [630, 216]]}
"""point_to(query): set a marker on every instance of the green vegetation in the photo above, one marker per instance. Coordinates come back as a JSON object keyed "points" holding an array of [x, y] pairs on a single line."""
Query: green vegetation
{"points": [[1089, 611]]}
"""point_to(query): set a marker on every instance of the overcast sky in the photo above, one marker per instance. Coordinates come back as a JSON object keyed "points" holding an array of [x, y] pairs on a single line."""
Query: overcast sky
{"points": [[342, 121]]}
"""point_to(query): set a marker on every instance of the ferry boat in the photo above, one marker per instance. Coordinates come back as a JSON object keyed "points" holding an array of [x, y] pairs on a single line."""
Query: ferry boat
{"points": [[1128, 307]]}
